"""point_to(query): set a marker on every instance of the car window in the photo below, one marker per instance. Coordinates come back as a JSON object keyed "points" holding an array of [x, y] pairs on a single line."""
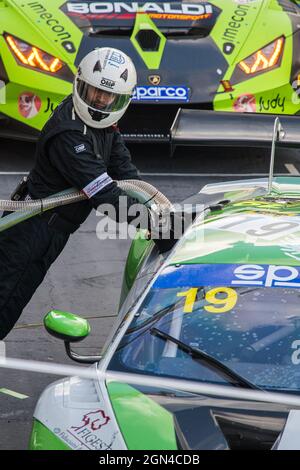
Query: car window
{"points": [[253, 330]]}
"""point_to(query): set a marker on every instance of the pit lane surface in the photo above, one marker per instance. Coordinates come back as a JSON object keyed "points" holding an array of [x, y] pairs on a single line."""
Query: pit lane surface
{"points": [[86, 278]]}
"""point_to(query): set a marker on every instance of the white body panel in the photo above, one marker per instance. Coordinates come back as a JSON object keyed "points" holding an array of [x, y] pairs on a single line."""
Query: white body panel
{"points": [[79, 412]]}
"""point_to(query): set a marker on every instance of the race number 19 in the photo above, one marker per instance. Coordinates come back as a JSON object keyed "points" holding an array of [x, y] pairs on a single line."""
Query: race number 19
{"points": [[218, 303]]}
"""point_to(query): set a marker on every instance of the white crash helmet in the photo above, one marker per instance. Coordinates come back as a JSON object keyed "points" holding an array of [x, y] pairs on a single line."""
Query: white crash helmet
{"points": [[111, 72]]}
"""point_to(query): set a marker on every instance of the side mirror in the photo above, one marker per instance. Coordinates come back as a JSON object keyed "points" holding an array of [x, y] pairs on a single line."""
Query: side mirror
{"points": [[66, 326], [71, 329]]}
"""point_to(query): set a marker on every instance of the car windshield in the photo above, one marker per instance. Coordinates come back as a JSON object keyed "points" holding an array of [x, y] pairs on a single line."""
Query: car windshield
{"points": [[254, 331]]}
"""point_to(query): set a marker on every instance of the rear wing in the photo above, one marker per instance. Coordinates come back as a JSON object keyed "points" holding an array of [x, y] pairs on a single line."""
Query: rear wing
{"points": [[213, 128]]}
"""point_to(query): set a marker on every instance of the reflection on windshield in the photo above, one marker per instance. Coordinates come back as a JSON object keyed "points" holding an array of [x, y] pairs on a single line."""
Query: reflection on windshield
{"points": [[253, 331]]}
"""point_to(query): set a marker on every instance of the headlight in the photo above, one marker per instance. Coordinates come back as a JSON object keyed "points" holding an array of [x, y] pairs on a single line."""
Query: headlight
{"points": [[264, 59], [33, 57]]}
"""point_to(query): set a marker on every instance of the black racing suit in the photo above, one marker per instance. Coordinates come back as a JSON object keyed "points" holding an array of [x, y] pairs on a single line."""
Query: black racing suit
{"points": [[69, 154]]}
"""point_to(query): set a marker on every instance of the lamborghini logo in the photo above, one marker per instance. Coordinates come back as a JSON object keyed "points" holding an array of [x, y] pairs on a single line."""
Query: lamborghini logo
{"points": [[154, 79]]}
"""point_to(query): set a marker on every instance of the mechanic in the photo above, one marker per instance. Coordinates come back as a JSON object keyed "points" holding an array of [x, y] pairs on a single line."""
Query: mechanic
{"points": [[81, 147]]}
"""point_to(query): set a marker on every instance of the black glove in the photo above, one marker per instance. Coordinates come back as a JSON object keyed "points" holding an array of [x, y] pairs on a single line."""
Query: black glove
{"points": [[167, 227]]}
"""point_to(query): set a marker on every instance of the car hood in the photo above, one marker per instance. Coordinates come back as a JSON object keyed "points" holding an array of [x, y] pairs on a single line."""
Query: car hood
{"points": [[152, 418], [87, 414], [258, 230]]}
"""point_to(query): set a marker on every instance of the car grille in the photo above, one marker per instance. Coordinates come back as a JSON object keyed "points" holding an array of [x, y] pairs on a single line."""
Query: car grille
{"points": [[148, 40]]}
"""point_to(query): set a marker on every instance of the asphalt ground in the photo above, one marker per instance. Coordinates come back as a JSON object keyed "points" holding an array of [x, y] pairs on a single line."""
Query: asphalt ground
{"points": [[86, 278]]}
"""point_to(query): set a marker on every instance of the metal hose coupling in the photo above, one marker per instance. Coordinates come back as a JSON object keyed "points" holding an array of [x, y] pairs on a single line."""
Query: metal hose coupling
{"points": [[145, 193]]}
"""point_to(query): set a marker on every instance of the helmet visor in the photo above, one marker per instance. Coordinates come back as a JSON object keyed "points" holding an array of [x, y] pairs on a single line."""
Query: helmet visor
{"points": [[101, 100]]}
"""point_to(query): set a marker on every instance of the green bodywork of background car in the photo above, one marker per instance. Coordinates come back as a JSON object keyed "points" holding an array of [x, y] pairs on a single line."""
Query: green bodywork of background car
{"points": [[22, 21], [273, 91]]}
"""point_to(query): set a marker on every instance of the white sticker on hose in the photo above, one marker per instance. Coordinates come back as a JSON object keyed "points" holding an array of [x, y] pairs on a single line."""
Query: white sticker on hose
{"points": [[97, 185]]}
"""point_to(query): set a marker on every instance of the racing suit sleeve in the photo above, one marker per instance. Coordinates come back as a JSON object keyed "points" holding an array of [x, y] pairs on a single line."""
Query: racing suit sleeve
{"points": [[73, 156], [121, 166]]}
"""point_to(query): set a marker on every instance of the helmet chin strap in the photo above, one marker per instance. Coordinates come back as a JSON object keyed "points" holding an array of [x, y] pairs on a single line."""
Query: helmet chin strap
{"points": [[97, 115]]}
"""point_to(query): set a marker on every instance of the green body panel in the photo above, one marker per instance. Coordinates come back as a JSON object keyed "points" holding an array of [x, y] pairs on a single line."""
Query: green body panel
{"points": [[67, 324], [257, 24], [152, 59], [43, 439], [46, 87], [258, 231], [139, 249], [46, 31], [145, 425], [265, 21], [229, 8]]}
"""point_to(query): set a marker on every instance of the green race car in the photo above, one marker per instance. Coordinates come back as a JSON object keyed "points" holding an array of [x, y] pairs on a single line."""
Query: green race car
{"points": [[232, 56], [204, 337], [204, 352]]}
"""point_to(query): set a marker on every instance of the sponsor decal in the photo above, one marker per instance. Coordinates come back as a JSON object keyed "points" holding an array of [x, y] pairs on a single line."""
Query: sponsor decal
{"points": [[295, 358], [97, 185], [296, 94], [93, 421], [234, 24], [29, 105], [245, 104], [228, 48], [229, 275], [164, 16], [107, 82], [80, 148], [113, 58], [87, 434], [124, 75], [69, 46], [85, 439], [260, 227], [165, 10], [161, 93], [227, 86], [154, 79], [50, 106], [116, 59], [272, 105], [266, 276], [56, 27]]}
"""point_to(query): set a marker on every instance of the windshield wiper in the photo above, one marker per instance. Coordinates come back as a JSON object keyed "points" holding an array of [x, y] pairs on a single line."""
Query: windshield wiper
{"points": [[208, 361]]}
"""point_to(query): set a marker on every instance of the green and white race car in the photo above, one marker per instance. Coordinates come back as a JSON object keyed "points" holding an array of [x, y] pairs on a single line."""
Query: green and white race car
{"points": [[205, 352], [231, 56]]}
